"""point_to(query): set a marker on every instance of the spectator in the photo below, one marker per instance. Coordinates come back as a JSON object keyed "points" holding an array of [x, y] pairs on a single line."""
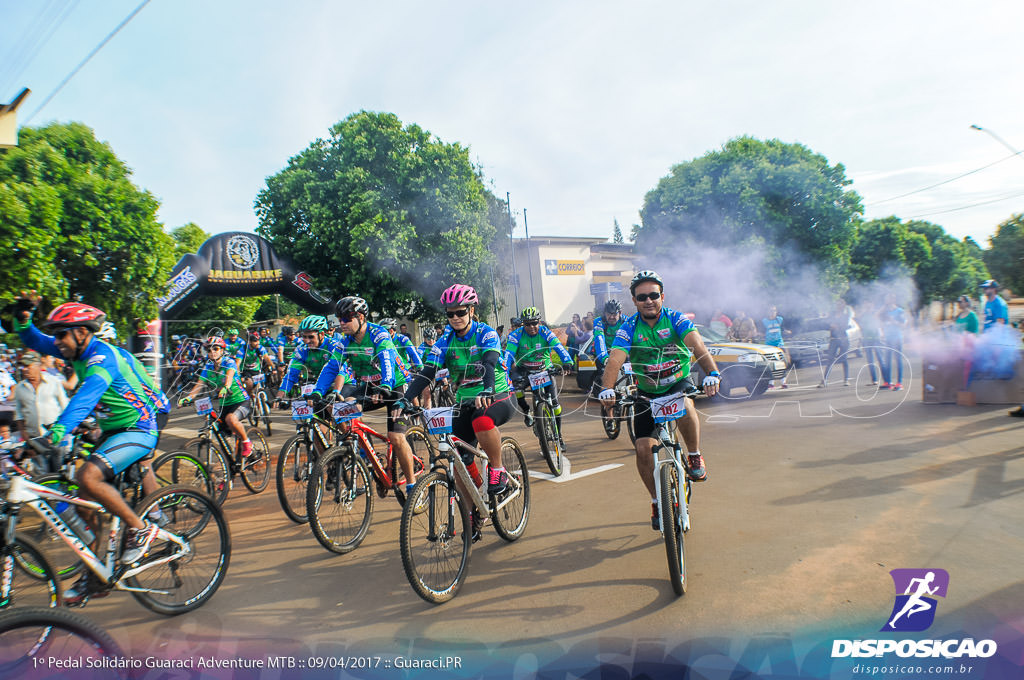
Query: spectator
{"points": [[996, 310], [5, 434], [966, 320], [720, 323], [893, 320], [838, 342], [38, 399], [404, 330], [773, 335], [871, 339], [743, 328], [66, 372], [574, 335]]}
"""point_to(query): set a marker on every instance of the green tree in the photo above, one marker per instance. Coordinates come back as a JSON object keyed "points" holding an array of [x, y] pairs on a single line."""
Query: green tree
{"points": [[382, 210], [1005, 258], [780, 197], [80, 228], [617, 232]]}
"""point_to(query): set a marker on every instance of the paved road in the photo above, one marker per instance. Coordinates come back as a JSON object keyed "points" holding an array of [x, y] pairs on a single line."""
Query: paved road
{"points": [[814, 495]]}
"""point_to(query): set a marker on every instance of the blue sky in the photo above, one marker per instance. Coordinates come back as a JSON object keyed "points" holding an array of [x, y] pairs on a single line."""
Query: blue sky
{"points": [[575, 108]]}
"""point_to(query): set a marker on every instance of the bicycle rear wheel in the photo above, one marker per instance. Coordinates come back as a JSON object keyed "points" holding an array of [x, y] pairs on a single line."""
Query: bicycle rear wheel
{"points": [[32, 580], [256, 466], [548, 436], [419, 443], [181, 467], [184, 584], [31, 635], [435, 538], [671, 528], [339, 500], [264, 411], [511, 510], [294, 466]]}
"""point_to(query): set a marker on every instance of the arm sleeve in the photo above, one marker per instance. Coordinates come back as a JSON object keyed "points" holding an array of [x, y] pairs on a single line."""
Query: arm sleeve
{"points": [[328, 373], [600, 346], [35, 339], [489, 360], [294, 367], [554, 344], [415, 358], [420, 382]]}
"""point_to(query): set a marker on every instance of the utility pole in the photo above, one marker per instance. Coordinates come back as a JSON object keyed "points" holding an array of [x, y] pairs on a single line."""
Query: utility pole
{"points": [[512, 247], [529, 259]]}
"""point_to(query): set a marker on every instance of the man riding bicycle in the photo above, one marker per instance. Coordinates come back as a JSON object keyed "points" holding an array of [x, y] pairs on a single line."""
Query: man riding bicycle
{"points": [[605, 328], [367, 350], [221, 374], [253, 358], [403, 345], [658, 343], [127, 406], [528, 350], [287, 343]]}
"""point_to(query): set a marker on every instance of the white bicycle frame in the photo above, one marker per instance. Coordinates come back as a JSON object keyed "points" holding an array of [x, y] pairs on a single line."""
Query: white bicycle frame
{"points": [[666, 441], [27, 493]]}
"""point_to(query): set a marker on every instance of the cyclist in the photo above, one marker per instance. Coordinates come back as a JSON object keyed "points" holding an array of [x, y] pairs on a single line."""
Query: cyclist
{"points": [[605, 328], [127, 408], [429, 338], [315, 350], [659, 343], [221, 373], [253, 358], [528, 350], [471, 351], [287, 342], [406, 350], [378, 374], [234, 343]]}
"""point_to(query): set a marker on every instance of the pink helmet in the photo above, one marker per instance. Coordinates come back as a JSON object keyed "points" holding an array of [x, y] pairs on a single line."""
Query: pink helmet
{"points": [[459, 294]]}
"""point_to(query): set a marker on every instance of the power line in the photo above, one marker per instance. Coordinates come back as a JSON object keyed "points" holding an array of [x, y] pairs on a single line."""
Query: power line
{"points": [[87, 58], [33, 40], [965, 207], [939, 184]]}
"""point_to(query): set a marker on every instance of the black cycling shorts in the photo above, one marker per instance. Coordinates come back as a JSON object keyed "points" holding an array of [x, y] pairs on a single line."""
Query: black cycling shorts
{"points": [[398, 422], [499, 412], [643, 420]]}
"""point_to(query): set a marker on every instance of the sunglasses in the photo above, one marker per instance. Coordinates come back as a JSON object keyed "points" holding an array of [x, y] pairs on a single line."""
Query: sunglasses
{"points": [[217, 349], [532, 324], [345, 319], [643, 297], [61, 334], [308, 336], [457, 313]]}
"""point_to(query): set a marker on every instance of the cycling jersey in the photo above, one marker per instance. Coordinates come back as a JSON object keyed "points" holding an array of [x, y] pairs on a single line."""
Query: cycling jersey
{"points": [[373, 360], [313, 361], [658, 355], [250, 358], [234, 346], [463, 359], [112, 382], [214, 375], [773, 331], [533, 353], [407, 351], [288, 347], [604, 336]]}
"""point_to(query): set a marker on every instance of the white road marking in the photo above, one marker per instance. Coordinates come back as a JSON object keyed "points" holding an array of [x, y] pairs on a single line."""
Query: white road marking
{"points": [[567, 474]]}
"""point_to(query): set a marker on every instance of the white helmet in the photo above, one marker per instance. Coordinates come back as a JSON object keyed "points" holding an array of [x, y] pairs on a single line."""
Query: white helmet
{"points": [[107, 332]]}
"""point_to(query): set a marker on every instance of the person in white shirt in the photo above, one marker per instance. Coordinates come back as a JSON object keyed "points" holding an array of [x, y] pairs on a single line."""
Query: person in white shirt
{"points": [[38, 399]]}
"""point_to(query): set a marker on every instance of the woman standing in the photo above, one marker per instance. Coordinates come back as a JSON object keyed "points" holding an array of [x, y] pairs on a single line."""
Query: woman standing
{"points": [[966, 320]]}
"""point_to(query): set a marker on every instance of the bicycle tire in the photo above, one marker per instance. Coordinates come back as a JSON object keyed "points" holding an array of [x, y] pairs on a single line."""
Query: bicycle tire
{"points": [[255, 468], [193, 579], [30, 525], [436, 541], [511, 519], [181, 467], [339, 500], [264, 411], [31, 634], [420, 445], [294, 467], [611, 424], [33, 581], [627, 415], [216, 464], [548, 436], [675, 545]]}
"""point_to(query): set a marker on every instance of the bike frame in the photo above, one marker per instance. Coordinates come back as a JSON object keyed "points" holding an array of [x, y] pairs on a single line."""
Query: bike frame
{"points": [[447, 445], [665, 436]]}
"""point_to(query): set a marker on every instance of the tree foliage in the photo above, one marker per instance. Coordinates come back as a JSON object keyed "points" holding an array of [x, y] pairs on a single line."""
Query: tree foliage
{"points": [[80, 228], [383, 210], [1005, 258], [781, 197], [617, 232]]}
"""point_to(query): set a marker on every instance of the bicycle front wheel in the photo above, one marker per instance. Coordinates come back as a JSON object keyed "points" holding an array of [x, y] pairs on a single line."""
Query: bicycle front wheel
{"points": [[549, 437], [435, 538], [31, 525], [671, 528], [265, 412], [31, 635], [256, 466], [339, 501], [27, 578], [511, 510], [216, 464], [627, 415], [181, 467], [611, 424], [294, 465], [185, 583]]}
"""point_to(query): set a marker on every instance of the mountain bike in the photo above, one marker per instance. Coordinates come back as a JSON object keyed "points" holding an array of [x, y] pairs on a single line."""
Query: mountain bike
{"points": [[442, 517], [211, 448], [29, 636], [625, 391], [545, 422], [259, 409], [298, 456], [185, 568], [338, 501], [442, 392]]}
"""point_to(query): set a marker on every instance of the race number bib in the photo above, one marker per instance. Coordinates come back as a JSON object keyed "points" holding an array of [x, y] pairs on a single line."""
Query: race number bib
{"points": [[668, 408], [439, 420], [204, 406], [539, 380], [441, 374], [345, 411], [258, 379], [301, 410], [307, 389], [627, 368]]}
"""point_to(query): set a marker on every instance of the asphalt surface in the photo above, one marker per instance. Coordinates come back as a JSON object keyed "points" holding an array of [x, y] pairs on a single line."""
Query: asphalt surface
{"points": [[813, 496]]}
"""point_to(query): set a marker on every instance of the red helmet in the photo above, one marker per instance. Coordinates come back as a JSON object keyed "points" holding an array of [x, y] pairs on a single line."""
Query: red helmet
{"points": [[73, 315], [216, 341]]}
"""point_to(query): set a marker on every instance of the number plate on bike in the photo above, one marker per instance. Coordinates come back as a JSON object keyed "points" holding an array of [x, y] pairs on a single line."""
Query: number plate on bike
{"points": [[301, 410], [441, 374], [627, 368], [439, 420], [307, 389], [345, 411], [539, 380], [667, 409], [204, 406]]}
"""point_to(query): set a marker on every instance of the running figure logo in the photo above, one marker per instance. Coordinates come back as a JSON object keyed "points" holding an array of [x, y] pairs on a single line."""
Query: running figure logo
{"points": [[914, 609]]}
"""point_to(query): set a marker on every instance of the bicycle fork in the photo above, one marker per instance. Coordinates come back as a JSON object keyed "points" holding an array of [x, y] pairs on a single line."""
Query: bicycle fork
{"points": [[681, 476]]}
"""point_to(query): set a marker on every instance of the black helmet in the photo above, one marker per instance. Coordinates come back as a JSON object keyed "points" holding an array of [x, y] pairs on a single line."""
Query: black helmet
{"points": [[613, 307], [991, 283], [351, 305]]}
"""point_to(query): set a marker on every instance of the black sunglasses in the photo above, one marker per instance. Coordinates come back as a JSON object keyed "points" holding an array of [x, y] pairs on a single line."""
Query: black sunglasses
{"points": [[62, 333], [216, 347], [457, 313], [308, 336], [345, 319], [647, 296], [532, 323]]}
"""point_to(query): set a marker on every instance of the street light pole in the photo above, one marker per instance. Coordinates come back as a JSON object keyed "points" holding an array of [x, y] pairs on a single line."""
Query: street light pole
{"points": [[512, 247], [997, 138]]}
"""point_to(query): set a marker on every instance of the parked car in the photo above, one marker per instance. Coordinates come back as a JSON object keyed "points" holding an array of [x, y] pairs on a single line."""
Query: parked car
{"points": [[810, 345]]}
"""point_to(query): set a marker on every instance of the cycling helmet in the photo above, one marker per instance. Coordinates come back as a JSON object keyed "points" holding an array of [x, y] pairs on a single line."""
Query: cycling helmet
{"points": [[232, 331], [429, 334], [389, 323], [613, 307], [350, 305], [314, 323], [216, 342], [73, 315], [645, 275], [530, 314], [459, 294], [991, 283], [107, 332], [287, 329]]}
